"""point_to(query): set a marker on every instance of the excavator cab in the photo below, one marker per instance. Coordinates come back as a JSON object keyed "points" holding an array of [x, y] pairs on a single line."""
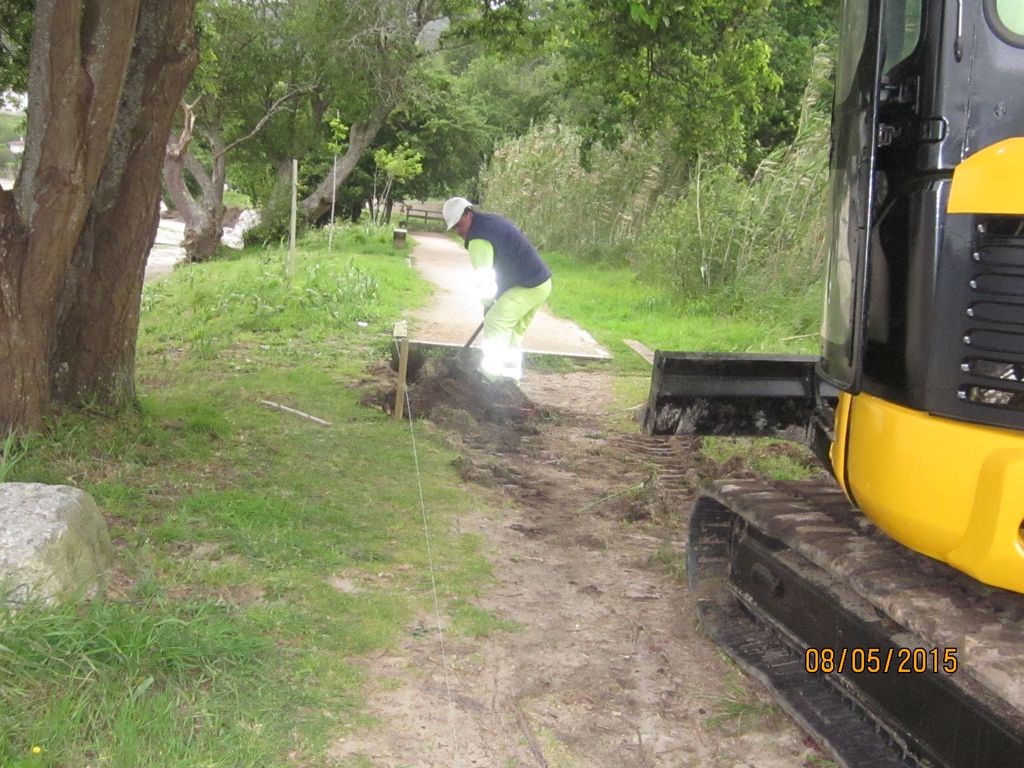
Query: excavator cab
{"points": [[915, 546], [916, 401], [923, 329]]}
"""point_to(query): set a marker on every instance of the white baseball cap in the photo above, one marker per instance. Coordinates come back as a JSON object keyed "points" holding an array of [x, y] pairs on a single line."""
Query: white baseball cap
{"points": [[453, 209]]}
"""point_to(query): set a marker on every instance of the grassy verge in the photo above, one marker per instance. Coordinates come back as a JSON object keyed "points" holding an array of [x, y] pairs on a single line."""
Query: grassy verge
{"points": [[260, 555], [614, 305]]}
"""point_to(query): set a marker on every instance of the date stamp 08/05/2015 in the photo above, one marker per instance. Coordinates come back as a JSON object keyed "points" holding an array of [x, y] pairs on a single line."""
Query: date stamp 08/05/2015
{"points": [[881, 660]]}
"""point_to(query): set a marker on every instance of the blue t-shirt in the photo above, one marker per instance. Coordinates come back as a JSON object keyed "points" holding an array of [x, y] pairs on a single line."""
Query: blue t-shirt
{"points": [[516, 261]]}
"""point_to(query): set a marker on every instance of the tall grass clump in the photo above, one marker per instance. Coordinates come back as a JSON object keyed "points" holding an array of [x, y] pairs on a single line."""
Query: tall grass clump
{"points": [[140, 681], [749, 238], [594, 212]]}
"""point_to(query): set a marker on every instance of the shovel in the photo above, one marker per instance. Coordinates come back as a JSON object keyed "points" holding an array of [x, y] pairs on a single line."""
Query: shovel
{"points": [[463, 354], [463, 357], [466, 346]]}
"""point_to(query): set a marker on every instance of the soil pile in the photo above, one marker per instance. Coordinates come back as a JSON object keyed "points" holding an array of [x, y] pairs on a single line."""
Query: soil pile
{"points": [[450, 392], [454, 383]]}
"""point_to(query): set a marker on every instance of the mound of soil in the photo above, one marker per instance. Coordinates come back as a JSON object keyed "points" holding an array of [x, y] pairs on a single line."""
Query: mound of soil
{"points": [[450, 392], [454, 383]]}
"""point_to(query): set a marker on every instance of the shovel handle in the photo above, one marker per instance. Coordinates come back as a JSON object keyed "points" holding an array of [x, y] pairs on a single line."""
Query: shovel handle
{"points": [[473, 337], [478, 328]]}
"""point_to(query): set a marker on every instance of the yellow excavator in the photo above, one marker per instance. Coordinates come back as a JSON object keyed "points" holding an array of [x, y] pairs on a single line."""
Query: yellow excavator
{"points": [[884, 606]]}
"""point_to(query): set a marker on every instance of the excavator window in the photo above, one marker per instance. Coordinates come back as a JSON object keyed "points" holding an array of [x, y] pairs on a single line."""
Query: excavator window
{"points": [[903, 30], [855, 30], [1006, 17]]}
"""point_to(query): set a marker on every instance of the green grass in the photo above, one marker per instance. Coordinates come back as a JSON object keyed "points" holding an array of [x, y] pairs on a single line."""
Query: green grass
{"points": [[672, 562], [259, 554], [11, 126], [818, 761], [472, 621], [738, 708], [12, 450], [233, 199], [253, 298], [771, 457], [127, 680], [613, 304]]}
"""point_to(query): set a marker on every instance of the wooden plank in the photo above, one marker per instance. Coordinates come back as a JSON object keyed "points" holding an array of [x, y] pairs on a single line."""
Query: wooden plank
{"points": [[430, 344], [640, 349]]}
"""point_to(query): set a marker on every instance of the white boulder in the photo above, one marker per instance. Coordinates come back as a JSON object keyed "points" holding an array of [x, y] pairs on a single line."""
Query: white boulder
{"points": [[54, 542], [235, 236]]}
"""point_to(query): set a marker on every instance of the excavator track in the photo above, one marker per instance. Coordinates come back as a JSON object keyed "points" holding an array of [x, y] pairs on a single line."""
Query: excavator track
{"points": [[888, 657]]}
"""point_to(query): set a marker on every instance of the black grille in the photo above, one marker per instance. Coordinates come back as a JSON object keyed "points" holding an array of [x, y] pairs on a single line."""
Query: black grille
{"points": [[992, 366]]}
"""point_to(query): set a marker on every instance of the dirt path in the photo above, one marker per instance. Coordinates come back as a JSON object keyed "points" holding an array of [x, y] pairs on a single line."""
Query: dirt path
{"points": [[166, 250], [607, 667]]}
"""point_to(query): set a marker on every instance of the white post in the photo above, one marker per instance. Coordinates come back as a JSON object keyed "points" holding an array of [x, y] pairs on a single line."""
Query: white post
{"points": [[334, 194], [291, 227]]}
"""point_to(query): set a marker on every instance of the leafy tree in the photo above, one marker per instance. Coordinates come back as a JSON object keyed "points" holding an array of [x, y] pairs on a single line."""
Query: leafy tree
{"points": [[250, 71], [700, 67], [444, 123], [15, 43], [359, 57], [399, 165], [383, 44], [76, 229], [722, 75]]}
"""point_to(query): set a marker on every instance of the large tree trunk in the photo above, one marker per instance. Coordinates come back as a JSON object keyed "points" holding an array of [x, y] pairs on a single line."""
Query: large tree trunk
{"points": [[94, 353], [360, 137], [79, 58], [81, 51], [20, 388]]}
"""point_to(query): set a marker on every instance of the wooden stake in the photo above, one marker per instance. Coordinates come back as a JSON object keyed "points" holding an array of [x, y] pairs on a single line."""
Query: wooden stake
{"points": [[290, 268], [402, 334]]}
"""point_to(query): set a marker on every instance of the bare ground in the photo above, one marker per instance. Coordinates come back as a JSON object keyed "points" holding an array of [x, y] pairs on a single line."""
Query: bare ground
{"points": [[584, 526]]}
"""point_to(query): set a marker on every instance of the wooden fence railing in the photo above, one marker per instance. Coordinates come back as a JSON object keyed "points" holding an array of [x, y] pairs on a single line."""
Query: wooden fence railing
{"points": [[426, 214]]}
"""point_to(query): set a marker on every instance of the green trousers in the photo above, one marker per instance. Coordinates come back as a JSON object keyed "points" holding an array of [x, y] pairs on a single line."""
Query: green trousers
{"points": [[504, 328]]}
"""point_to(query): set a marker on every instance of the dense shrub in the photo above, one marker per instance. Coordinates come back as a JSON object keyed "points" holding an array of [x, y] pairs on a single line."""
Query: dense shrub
{"points": [[728, 230]]}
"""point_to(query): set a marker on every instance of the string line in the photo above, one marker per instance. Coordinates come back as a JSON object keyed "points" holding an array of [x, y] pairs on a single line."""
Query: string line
{"points": [[433, 580]]}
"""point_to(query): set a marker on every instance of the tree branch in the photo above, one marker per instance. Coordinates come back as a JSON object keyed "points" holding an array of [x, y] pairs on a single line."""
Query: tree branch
{"points": [[177, 148], [275, 107], [193, 166]]}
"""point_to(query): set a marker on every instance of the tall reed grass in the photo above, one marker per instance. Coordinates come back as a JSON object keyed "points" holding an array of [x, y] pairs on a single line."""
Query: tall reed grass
{"points": [[717, 235], [593, 210], [765, 234]]}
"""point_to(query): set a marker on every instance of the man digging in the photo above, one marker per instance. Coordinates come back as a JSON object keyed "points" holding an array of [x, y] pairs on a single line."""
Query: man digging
{"points": [[512, 281]]}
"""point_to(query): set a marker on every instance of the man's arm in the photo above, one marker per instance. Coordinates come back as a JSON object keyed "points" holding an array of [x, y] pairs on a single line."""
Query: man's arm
{"points": [[481, 256]]}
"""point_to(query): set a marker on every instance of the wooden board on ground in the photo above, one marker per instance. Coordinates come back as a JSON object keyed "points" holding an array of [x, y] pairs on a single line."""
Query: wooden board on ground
{"points": [[640, 349], [430, 344]]}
